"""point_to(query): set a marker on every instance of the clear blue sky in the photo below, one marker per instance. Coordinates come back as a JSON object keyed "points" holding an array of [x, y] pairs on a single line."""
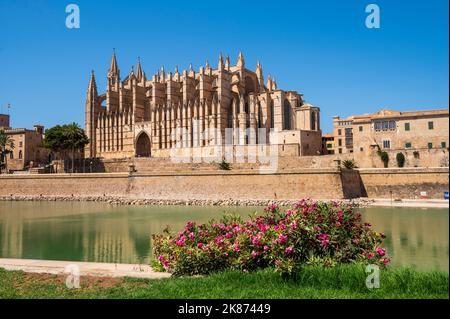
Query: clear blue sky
{"points": [[320, 48]]}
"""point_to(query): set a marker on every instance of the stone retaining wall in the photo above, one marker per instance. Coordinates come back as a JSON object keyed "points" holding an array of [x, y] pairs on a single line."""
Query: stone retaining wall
{"points": [[242, 185], [407, 183]]}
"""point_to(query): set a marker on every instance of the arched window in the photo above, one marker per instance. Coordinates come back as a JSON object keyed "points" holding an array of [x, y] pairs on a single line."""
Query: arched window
{"points": [[143, 145], [260, 117], [272, 115], [20, 154], [286, 115], [313, 121], [11, 154]]}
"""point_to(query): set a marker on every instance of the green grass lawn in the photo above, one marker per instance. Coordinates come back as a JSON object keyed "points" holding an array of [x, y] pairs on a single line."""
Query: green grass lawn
{"points": [[339, 282]]}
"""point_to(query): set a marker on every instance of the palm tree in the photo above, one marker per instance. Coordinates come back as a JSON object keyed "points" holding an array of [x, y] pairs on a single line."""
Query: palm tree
{"points": [[5, 141]]}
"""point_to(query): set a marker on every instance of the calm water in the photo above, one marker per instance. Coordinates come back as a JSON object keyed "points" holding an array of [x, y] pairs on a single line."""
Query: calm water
{"points": [[103, 233]]}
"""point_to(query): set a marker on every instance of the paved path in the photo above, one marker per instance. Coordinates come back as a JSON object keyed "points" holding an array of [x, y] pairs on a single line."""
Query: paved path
{"points": [[86, 268], [417, 203]]}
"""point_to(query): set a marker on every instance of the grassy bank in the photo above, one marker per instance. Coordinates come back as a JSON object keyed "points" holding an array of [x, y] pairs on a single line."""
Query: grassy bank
{"points": [[339, 282]]}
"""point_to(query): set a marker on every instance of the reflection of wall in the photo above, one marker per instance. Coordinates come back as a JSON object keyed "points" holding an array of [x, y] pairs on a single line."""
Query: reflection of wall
{"points": [[414, 236], [90, 231], [103, 233]]}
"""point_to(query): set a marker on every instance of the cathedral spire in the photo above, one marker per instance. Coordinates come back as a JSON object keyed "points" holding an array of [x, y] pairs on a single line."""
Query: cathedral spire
{"points": [[240, 61], [220, 63], [163, 74], [113, 69], [227, 62], [259, 75], [92, 88], [139, 72]]}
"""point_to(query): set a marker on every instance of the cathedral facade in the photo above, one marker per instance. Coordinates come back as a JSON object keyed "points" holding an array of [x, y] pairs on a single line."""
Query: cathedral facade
{"points": [[227, 105]]}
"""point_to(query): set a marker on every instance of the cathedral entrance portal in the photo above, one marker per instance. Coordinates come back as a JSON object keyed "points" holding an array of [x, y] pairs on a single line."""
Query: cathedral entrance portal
{"points": [[143, 145]]}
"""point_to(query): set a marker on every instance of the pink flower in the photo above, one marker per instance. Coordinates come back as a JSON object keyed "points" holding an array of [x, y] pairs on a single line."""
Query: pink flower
{"points": [[189, 224], [289, 250], [370, 256], [381, 251], [322, 236], [236, 247], [255, 254], [294, 225], [266, 248], [386, 261], [164, 262], [324, 243], [263, 227], [192, 236], [200, 245], [282, 239], [237, 229], [256, 241], [181, 241]]}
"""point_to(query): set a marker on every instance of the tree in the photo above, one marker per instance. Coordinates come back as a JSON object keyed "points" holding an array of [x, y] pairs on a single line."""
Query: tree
{"points": [[349, 164], [384, 158], [68, 137], [74, 139], [5, 141], [53, 140], [400, 159]]}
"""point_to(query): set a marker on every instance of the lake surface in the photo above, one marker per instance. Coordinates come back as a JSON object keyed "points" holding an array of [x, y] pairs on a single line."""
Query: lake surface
{"points": [[99, 232]]}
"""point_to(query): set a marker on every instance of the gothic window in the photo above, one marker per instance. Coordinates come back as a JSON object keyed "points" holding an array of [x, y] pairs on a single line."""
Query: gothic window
{"points": [[249, 85], [286, 115], [272, 115], [260, 117], [20, 154], [11, 154]]}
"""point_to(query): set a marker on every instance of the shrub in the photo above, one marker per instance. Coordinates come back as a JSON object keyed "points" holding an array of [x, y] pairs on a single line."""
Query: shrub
{"points": [[400, 159], [224, 165], [349, 164], [384, 158], [311, 233]]}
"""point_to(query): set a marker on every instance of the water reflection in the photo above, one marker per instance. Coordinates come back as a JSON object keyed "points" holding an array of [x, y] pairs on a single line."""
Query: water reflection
{"points": [[415, 237], [103, 233], [91, 231]]}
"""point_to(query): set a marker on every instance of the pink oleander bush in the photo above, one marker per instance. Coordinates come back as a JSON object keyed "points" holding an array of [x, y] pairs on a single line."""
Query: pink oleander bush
{"points": [[310, 233]]}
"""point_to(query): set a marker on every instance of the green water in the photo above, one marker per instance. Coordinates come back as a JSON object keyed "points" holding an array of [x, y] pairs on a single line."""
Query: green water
{"points": [[103, 233]]}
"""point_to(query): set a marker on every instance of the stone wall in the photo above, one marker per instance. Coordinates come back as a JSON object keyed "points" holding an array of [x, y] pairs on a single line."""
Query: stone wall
{"points": [[407, 183], [240, 185], [324, 184]]}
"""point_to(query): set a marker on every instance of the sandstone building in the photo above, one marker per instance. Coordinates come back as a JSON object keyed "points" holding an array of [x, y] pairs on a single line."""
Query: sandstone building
{"points": [[28, 150], [4, 122], [144, 117], [414, 133]]}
